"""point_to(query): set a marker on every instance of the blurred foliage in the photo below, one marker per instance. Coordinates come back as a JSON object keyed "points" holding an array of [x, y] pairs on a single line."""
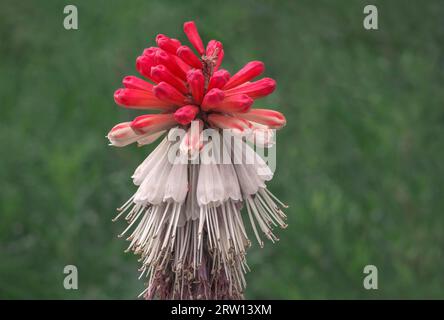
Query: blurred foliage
{"points": [[360, 162]]}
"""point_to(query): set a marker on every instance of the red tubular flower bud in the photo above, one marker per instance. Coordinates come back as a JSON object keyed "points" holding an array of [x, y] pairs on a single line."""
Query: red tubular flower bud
{"points": [[184, 115], [257, 89], [271, 118], [235, 103], [187, 55], [152, 123], [160, 73], [168, 44], [224, 121], [132, 82], [150, 52], [185, 67], [139, 99], [249, 71], [220, 57], [196, 82], [193, 35], [162, 57], [212, 99], [143, 66], [218, 79], [169, 94], [215, 50]]}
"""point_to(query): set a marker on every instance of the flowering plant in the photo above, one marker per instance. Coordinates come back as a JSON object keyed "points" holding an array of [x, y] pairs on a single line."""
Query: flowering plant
{"points": [[185, 218]]}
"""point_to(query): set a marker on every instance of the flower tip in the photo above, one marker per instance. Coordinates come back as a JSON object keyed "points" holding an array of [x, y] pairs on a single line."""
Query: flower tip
{"points": [[219, 79], [245, 103], [196, 82], [152, 123], [251, 70], [213, 98], [186, 114], [121, 135], [271, 118], [168, 44], [161, 36], [190, 30], [143, 65], [132, 82], [118, 96]]}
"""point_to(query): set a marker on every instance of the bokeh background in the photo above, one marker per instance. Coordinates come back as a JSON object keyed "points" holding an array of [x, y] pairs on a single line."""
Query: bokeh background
{"points": [[360, 162]]}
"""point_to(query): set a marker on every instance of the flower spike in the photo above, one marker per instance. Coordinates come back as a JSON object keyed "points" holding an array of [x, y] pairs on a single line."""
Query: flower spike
{"points": [[185, 219]]}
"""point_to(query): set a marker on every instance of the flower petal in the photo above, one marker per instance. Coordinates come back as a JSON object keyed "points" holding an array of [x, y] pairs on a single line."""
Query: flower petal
{"points": [[187, 55], [192, 142], [122, 134], [132, 82], [150, 138], [227, 122], [249, 71], [169, 94], [257, 89], [161, 73], [152, 123], [196, 82], [168, 44], [184, 115], [219, 79], [168, 60], [190, 30], [139, 99], [213, 98], [271, 118], [234, 103], [215, 51], [143, 66], [210, 187]]}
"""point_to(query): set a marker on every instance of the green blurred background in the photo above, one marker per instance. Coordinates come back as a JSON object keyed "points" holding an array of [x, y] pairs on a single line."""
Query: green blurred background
{"points": [[360, 162]]}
